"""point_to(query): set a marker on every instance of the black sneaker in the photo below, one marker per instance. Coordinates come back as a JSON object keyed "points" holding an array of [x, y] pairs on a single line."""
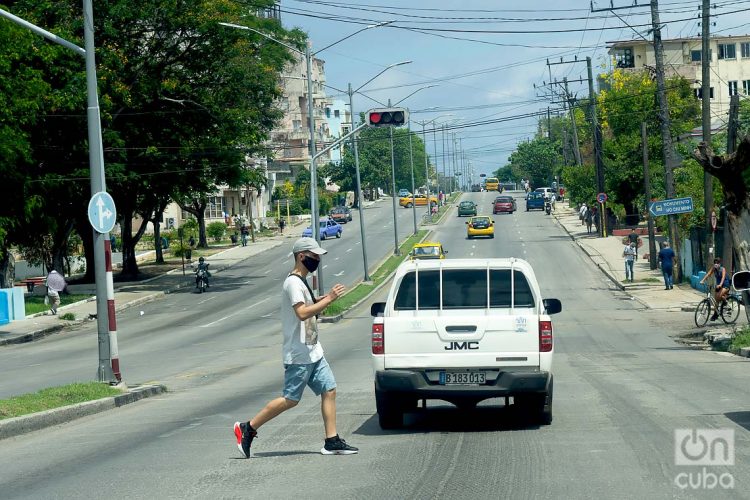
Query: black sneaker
{"points": [[714, 316], [337, 446], [244, 437]]}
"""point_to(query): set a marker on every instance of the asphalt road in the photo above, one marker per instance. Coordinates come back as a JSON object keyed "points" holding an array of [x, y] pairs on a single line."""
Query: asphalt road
{"points": [[622, 389]]}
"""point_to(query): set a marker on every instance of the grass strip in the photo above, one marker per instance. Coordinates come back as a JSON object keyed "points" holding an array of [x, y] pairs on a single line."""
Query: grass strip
{"points": [[55, 397], [360, 291], [742, 339], [35, 303]]}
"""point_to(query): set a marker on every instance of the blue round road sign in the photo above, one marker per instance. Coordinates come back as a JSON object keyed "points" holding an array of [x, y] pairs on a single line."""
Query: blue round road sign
{"points": [[601, 197], [102, 212]]}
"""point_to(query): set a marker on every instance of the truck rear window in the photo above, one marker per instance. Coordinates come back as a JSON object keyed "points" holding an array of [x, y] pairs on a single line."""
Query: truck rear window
{"points": [[463, 289]]}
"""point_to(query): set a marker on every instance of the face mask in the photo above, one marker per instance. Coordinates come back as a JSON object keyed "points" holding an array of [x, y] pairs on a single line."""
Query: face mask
{"points": [[310, 263], [716, 266]]}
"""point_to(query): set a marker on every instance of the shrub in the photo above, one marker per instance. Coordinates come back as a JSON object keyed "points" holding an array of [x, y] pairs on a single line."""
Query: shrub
{"points": [[68, 317], [216, 230]]}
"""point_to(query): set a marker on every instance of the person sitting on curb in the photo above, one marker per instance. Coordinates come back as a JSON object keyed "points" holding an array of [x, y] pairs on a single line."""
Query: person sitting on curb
{"points": [[723, 282]]}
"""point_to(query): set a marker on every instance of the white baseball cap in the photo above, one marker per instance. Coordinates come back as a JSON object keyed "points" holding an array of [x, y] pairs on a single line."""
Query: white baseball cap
{"points": [[308, 245]]}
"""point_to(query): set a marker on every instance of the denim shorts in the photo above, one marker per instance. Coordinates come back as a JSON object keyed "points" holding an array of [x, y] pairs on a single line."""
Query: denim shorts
{"points": [[318, 376]]}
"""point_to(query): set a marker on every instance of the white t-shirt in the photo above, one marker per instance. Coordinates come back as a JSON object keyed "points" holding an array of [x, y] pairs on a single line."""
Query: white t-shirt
{"points": [[301, 344]]}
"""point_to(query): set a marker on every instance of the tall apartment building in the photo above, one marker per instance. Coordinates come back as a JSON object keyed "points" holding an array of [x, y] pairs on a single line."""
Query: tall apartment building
{"points": [[730, 66], [339, 124]]}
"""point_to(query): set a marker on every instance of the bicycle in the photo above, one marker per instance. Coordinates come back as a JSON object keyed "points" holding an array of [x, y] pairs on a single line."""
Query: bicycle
{"points": [[729, 309]]}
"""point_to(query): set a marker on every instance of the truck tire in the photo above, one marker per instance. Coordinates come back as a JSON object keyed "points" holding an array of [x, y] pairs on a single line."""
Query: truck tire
{"points": [[536, 407], [390, 412]]}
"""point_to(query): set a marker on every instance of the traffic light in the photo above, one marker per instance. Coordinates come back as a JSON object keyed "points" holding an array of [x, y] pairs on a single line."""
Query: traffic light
{"points": [[387, 117]]}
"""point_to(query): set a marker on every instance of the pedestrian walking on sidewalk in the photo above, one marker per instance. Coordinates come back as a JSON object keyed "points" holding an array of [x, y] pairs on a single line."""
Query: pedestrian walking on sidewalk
{"points": [[633, 238], [667, 260], [629, 253], [304, 362], [589, 218], [582, 213], [55, 284], [282, 223]]}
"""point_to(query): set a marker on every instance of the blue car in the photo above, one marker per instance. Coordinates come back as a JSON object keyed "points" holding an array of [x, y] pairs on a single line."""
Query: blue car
{"points": [[535, 200], [328, 229]]}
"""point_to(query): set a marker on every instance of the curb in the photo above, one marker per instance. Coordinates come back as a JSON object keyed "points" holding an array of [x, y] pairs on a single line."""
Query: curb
{"points": [[43, 420]]}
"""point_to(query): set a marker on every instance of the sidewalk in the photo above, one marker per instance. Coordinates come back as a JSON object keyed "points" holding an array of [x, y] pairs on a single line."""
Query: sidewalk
{"points": [[129, 294], [648, 287]]}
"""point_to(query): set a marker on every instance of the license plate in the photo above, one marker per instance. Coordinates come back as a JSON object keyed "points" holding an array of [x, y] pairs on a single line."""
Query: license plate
{"points": [[462, 378]]}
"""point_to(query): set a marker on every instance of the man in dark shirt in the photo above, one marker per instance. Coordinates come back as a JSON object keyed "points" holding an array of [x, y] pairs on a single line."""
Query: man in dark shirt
{"points": [[633, 238], [666, 260]]}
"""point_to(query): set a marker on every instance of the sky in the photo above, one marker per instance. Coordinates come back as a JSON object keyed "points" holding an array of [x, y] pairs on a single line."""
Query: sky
{"points": [[484, 57]]}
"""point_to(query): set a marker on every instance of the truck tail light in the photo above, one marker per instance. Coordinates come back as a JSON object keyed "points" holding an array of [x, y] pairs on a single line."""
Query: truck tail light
{"points": [[378, 338], [545, 336]]}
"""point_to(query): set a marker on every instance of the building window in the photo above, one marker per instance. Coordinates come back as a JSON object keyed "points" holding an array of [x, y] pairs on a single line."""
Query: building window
{"points": [[336, 113], [727, 51], [297, 125], [733, 88], [215, 207], [328, 112], [695, 55], [746, 87], [745, 49], [699, 93]]}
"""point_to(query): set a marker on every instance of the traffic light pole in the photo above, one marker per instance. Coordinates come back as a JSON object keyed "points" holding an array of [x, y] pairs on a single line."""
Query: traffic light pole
{"points": [[359, 187], [393, 195], [411, 162]]}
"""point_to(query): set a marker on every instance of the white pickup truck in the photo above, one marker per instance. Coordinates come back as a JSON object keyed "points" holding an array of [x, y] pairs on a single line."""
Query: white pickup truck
{"points": [[463, 330]]}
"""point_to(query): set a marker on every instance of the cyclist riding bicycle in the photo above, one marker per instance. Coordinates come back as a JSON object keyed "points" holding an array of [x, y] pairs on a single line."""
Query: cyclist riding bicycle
{"points": [[723, 282]]}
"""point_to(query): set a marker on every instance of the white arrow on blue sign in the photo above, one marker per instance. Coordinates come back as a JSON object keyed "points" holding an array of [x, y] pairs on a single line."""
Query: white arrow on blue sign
{"points": [[673, 206], [102, 212]]}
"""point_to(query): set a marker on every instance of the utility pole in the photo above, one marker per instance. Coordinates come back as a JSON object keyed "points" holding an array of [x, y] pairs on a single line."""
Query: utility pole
{"points": [[708, 193], [647, 190], [597, 137], [574, 127], [666, 137], [411, 162], [358, 194]]}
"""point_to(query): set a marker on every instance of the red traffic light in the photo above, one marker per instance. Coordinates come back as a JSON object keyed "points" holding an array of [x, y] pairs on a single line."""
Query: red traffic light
{"points": [[394, 117]]}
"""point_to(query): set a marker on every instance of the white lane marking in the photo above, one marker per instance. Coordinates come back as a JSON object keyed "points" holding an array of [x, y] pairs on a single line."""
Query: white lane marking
{"points": [[325, 266], [266, 273], [35, 364], [246, 282], [289, 254], [236, 312], [339, 274], [471, 254], [181, 428], [337, 258], [267, 315], [349, 250], [358, 243], [473, 247], [206, 300]]}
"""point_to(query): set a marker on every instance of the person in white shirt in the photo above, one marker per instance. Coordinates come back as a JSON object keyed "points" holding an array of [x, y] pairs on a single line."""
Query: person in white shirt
{"points": [[304, 362]]}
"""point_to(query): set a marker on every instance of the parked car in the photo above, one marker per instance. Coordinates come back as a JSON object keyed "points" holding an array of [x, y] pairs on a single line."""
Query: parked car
{"points": [[480, 226], [483, 331], [504, 204], [428, 250], [403, 192], [467, 208], [342, 215], [535, 200], [419, 200], [328, 229]]}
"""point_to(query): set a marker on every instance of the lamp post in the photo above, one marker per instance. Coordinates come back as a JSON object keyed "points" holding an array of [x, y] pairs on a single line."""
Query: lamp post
{"points": [[426, 165], [308, 54], [358, 193]]}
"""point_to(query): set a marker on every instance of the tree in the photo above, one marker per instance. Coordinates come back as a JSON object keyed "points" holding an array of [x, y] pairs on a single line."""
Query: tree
{"points": [[536, 160]]}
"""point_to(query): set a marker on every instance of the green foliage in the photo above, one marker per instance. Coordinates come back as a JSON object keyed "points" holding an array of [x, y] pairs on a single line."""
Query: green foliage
{"points": [[216, 230], [68, 317], [579, 184], [536, 160], [55, 397]]}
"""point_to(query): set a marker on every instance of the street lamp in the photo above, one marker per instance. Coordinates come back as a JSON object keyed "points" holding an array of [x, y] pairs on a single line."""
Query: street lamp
{"points": [[308, 55], [426, 167]]}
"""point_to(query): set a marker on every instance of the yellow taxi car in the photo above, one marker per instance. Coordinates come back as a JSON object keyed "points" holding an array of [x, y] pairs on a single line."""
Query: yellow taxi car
{"points": [[419, 200], [480, 226], [428, 250]]}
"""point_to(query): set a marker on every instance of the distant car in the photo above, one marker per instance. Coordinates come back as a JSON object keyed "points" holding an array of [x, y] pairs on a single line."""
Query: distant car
{"points": [[480, 226], [403, 192], [328, 229], [467, 208], [504, 204], [428, 250], [476, 188], [342, 215], [547, 191], [535, 200], [419, 200]]}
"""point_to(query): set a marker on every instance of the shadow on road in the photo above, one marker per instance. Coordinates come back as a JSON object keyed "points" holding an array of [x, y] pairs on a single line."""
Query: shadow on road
{"points": [[446, 418]]}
